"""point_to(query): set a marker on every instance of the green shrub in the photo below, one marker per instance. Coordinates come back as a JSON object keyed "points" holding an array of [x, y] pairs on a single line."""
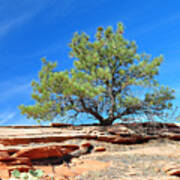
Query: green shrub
{"points": [[31, 175]]}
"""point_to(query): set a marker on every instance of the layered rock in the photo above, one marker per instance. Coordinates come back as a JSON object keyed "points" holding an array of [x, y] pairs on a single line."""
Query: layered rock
{"points": [[172, 169], [115, 134], [45, 151], [20, 147]]}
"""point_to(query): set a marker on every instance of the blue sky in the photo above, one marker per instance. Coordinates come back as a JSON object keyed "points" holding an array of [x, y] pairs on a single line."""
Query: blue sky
{"points": [[33, 29]]}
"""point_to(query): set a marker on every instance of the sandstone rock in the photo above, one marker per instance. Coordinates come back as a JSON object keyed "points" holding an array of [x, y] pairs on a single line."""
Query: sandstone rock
{"points": [[21, 168], [10, 157], [124, 140], [175, 172], [60, 125], [76, 161], [172, 169], [12, 150], [87, 145], [64, 170], [172, 125], [66, 149], [90, 165], [106, 138], [99, 149], [174, 137], [170, 135], [169, 166], [48, 169], [78, 153], [4, 174], [20, 161], [70, 146], [83, 167], [4, 154], [120, 130], [45, 138], [28, 140], [39, 153], [15, 161], [44, 152], [83, 150]]}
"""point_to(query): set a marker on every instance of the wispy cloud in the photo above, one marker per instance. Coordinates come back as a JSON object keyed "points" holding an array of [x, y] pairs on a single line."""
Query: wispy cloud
{"points": [[15, 90], [10, 117], [63, 9], [15, 87], [151, 26], [19, 14], [7, 26], [13, 93], [6, 116]]}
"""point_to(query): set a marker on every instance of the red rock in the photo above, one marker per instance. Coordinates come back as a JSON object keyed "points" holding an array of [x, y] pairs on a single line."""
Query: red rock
{"points": [[65, 171], [4, 154], [106, 138], [120, 130], [6, 160], [45, 139], [20, 161], [21, 168], [76, 161], [172, 169], [174, 172], [174, 137], [12, 151], [86, 145], [171, 125], [100, 149], [28, 140], [4, 174], [22, 164], [85, 166], [48, 170], [40, 152], [60, 125], [90, 165], [123, 140], [169, 167], [44, 152], [70, 146], [86, 148]]}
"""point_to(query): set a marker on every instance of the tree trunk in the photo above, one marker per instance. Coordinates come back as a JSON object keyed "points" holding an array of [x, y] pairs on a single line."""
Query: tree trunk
{"points": [[106, 122]]}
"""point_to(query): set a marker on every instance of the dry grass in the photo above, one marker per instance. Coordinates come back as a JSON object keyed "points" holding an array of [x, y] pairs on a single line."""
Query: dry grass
{"points": [[143, 161]]}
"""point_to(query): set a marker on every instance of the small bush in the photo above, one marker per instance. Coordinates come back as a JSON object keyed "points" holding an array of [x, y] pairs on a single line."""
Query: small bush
{"points": [[31, 175]]}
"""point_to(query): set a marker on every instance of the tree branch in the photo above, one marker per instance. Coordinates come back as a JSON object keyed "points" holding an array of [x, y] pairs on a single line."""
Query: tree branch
{"points": [[90, 111]]}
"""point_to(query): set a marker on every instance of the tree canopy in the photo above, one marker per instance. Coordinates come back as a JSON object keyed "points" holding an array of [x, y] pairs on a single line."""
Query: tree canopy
{"points": [[102, 83]]}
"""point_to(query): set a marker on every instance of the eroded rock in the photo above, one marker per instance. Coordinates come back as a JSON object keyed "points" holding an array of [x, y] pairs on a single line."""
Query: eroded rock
{"points": [[45, 151], [172, 169], [99, 149]]}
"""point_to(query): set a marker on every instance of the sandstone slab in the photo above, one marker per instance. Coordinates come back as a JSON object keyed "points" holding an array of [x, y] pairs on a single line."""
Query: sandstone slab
{"points": [[99, 149], [45, 151]]}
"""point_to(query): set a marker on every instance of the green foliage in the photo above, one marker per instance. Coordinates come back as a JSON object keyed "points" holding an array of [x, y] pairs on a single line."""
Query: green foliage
{"points": [[31, 175], [106, 73], [16, 173]]}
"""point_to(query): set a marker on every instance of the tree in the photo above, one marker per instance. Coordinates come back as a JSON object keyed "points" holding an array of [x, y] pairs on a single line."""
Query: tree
{"points": [[102, 82]]}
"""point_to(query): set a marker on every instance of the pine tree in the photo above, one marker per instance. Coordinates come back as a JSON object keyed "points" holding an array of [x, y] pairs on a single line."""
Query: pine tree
{"points": [[102, 82]]}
